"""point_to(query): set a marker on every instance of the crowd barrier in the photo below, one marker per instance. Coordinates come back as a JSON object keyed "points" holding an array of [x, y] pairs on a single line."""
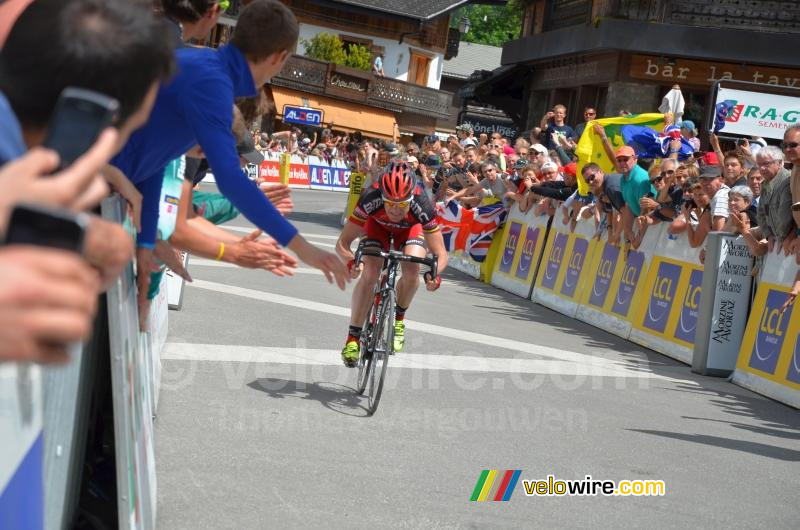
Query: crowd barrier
{"points": [[306, 172], [44, 433], [769, 358], [659, 296]]}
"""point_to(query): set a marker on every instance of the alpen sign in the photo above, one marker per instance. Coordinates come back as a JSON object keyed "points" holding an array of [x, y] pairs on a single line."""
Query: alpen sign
{"points": [[302, 115]]}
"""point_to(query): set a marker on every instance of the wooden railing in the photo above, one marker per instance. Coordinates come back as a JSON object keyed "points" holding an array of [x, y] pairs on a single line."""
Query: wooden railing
{"points": [[309, 75]]}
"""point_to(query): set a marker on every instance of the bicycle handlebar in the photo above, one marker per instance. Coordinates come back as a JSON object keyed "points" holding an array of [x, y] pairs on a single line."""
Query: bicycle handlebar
{"points": [[395, 255]]}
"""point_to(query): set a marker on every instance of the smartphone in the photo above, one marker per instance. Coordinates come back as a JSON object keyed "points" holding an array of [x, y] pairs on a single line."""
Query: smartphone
{"points": [[32, 224], [78, 119]]}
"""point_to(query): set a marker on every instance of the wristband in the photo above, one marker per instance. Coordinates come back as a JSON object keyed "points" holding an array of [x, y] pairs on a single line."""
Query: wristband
{"points": [[221, 251]]}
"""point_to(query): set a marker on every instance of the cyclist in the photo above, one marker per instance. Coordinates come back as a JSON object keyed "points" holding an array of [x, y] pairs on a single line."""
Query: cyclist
{"points": [[395, 204]]}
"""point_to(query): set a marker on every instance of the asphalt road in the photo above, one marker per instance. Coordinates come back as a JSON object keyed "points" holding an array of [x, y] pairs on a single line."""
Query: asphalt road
{"points": [[259, 427]]}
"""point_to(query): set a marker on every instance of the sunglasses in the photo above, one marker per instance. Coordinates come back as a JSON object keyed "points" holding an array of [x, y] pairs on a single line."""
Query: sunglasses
{"points": [[623, 158], [590, 177], [396, 204], [789, 145], [658, 179], [590, 114]]}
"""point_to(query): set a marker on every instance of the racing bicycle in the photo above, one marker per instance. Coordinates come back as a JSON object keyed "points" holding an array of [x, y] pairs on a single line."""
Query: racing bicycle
{"points": [[377, 335]]}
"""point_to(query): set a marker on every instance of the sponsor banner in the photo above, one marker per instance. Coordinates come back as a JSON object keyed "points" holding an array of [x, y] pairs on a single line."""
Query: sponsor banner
{"points": [[661, 298], [604, 275], [628, 285], [758, 113], [769, 358], [690, 309], [563, 272], [297, 175], [302, 115], [516, 273], [357, 181]]}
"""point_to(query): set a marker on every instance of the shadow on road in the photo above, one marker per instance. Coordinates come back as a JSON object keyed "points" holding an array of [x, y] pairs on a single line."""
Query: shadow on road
{"points": [[338, 398], [755, 448]]}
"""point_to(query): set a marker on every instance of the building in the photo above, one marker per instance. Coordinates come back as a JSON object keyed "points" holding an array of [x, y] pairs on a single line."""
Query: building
{"points": [[615, 54], [473, 61], [415, 39]]}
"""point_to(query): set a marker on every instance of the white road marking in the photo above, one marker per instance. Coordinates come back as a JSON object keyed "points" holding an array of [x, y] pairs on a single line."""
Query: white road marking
{"points": [[202, 262], [182, 351], [250, 229], [462, 335]]}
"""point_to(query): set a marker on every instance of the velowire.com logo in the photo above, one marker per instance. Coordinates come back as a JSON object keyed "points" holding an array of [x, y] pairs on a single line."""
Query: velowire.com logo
{"points": [[494, 485]]}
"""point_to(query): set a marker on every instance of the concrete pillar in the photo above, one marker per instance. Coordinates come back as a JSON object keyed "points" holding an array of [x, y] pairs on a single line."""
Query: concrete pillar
{"points": [[633, 97]]}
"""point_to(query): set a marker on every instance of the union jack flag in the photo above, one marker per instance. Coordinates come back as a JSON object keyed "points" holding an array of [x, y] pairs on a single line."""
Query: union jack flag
{"points": [[470, 230]]}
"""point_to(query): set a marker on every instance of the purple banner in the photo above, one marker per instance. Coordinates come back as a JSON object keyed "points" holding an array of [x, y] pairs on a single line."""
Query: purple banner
{"points": [[554, 261], [574, 267], [528, 248], [334, 177], [627, 284], [687, 324], [511, 247], [662, 297], [771, 332], [793, 374], [602, 279]]}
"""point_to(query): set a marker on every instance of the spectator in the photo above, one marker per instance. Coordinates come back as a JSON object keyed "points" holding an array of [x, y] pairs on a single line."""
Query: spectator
{"points": [[610, 201], [775, 223], [412, 149], [733, 168], [553, 126], [689, 132], [791, 148], [740, 198], [635, 182], [444, 154], [465, 133], [717, 191], [666, 203], [540, 155], [377, 65], [754, 182], [697, 214], [589, 114]]}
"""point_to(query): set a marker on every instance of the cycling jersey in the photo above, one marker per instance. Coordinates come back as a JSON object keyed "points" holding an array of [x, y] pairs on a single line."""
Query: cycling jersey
{"points": [[370, 206]]}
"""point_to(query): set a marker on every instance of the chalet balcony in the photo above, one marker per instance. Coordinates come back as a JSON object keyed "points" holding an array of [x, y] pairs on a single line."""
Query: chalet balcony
{"points": [[317, 77]]}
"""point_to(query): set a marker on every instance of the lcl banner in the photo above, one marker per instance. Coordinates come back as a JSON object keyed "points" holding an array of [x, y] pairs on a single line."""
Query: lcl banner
{"points": [[523, 241]]}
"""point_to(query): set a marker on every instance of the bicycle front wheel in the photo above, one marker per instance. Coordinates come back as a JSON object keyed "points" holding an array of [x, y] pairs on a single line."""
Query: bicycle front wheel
{"points": [[367, 345], [384, 344]]}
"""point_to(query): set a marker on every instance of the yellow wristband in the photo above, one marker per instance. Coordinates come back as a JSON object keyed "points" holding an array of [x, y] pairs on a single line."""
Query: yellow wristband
{"points": [[221, 251]]}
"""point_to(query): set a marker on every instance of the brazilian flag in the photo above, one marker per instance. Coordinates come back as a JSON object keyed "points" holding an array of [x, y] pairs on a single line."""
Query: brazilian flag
{"points": [[590, 146]]}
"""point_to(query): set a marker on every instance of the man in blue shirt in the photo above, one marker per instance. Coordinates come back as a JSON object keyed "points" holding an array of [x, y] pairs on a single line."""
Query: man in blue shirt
{"points": [[195, 107]]}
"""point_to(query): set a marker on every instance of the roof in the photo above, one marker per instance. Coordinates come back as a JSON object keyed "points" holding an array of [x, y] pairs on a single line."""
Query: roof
{"points": [[472, 57], [416, 9]]}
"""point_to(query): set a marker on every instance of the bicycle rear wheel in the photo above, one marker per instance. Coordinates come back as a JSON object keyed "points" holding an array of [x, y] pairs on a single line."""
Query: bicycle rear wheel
{"points": [[384, 344]]}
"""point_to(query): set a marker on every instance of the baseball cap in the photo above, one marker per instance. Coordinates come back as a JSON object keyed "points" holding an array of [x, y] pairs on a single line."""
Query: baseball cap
{"points": [[625, 150], [710, 159], [470, 141], [539, 148], [521, 164], [305, 141], [571, 169], [550, 165], [247, 150], [688, 125], [411, 159], [710, 172], [433, 161]]}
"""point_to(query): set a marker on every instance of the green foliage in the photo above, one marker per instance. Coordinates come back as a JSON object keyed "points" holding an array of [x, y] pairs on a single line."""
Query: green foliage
{"points": [[325, 47], [330, 48], [501, 24], [358, 56]]}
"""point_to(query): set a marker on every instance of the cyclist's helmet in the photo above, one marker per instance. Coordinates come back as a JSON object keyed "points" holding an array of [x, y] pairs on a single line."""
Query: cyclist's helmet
{"points": [[398, 182]]}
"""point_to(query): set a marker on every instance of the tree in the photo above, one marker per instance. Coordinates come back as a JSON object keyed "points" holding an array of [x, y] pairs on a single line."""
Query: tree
{"points": [[325, 47], [330, 48], [491, 25], [358, 56]]}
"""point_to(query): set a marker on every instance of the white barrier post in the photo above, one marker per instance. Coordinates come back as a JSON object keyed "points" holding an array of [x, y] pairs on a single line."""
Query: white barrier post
{"points": [[724, 304]]}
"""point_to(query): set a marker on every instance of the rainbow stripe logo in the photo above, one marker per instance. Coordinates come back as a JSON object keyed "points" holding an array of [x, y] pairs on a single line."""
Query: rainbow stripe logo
{"points": [[494, 485]]}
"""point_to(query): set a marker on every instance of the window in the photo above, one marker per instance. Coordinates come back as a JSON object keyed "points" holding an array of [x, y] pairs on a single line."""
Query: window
{"points": [[418, 69]]}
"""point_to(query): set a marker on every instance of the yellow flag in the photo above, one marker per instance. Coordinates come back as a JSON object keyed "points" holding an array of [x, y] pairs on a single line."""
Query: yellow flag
{"points": [[590, 145]]}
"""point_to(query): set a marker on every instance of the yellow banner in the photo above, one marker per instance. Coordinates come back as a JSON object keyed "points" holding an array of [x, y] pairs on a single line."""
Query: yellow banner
{"points": [[356, 187], [286, 161], [590, 145]]}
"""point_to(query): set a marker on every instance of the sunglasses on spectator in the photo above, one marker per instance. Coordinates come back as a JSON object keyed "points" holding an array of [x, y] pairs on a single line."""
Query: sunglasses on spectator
{"points": [[396, 204], [590, 177], [658, 179], [789, 145], [623, 158], [590, 114]]}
